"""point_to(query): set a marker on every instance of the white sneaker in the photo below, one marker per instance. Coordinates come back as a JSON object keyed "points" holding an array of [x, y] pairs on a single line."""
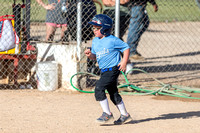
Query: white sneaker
{"points": [[129, 66]]}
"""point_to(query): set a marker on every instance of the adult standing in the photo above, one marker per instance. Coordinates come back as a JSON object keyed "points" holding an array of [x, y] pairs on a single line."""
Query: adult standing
{"points": [[139, 22], [55, 18]]}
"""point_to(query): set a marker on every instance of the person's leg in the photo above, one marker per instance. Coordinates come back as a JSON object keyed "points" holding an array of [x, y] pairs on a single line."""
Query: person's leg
{"points": [[117, 100], [100, 96], [105, 106], [124, 23], [116, 97], [50, 32], [134, 31], [122, 108], [143, 27], [144, 24], [64, 34]]}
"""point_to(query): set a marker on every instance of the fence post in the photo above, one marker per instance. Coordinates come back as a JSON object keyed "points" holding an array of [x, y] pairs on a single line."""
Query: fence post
{"points": [[79, 28], [117, 20]]}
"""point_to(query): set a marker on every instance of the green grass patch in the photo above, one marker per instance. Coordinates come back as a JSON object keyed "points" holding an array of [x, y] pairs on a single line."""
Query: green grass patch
{"points": [[169, 10], [174, 10]]}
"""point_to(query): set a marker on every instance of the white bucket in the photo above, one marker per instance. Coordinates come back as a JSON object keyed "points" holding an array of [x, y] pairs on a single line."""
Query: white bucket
{"points": [[47, 75]]}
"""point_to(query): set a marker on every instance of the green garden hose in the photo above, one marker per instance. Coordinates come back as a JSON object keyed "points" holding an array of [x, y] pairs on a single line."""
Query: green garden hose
{"points": [[80, 73], [164, 89]]}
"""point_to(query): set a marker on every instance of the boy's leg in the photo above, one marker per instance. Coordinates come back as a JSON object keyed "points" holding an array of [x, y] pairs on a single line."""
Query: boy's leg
{"points": [[125, 116], [107, 115], [100, 96], [105, 106], [117, 99], [122, 108]]}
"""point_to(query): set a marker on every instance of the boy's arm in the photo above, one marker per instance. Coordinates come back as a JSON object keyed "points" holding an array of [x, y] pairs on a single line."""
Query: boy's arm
{"points": [[90, 55], [124, 61]]}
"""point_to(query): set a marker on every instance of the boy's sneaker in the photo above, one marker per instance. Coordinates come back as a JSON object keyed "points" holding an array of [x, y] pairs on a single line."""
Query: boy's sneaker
{"points": [[105, 118], [122, 119]]}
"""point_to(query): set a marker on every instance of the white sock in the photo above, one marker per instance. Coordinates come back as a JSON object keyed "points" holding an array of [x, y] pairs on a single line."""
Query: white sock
{"points": [[122, 108], [105, 106]]}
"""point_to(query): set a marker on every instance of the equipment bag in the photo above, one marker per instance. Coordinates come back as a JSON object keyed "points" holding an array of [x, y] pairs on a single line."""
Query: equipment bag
{"points": [[8, 37]]}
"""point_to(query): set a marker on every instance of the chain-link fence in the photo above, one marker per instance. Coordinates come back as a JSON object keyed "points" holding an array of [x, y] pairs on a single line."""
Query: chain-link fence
{"points": [[170, 46]]}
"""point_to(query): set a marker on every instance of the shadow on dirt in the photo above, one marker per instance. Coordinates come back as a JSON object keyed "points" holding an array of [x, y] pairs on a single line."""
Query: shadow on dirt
{"points": [[186, 115], [177, 55], [168, 67]]}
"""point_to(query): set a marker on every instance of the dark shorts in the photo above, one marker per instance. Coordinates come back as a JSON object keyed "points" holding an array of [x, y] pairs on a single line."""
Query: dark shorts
{"points": [[108, 81], [56, 16]]}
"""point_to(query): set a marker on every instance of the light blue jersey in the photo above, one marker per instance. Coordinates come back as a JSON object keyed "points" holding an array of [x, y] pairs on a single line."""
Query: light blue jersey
{"points": [[107, 50]]}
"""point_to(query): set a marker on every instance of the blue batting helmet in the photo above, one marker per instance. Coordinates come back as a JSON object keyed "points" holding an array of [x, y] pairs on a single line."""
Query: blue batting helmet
{"points": [[104, 21]]}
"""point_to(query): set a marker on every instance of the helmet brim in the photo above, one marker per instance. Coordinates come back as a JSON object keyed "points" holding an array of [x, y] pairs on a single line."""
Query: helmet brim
{"points": [[93, 23]]}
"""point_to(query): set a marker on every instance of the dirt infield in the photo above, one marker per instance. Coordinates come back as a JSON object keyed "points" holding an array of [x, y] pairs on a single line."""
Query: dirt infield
{"points": [[32, 111]]}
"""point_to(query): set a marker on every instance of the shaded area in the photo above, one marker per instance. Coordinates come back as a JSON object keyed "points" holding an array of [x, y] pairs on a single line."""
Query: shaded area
{"points": [[168, 67], [177, 55], [171, 68], [185, 115], [158, 31]]}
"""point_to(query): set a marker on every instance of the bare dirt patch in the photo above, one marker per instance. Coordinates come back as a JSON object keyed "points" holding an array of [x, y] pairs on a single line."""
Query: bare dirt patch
{"points": [[71, 112]]}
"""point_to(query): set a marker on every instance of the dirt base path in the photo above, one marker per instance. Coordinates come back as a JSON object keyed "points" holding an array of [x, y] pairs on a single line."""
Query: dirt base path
{"points": [[32, 111]]}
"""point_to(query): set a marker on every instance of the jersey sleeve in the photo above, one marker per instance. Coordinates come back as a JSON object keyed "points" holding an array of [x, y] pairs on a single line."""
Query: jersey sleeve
{"points": [[120, 45]]}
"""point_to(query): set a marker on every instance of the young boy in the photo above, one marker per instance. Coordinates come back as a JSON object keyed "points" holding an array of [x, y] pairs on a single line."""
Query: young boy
{"points": [[106, 50]]}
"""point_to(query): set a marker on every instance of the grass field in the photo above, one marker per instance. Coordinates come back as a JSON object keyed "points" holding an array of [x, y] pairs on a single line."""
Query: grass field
{"points": [[169, 10], [175, 10]]}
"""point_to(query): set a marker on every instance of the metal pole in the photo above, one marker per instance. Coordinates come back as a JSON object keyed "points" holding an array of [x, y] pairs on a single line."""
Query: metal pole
{"points": [[117, 18], [79, 27], [28, 18]]}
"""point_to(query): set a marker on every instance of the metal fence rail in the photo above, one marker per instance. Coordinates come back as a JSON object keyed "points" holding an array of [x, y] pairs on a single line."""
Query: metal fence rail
{"points": [[170, 46]]}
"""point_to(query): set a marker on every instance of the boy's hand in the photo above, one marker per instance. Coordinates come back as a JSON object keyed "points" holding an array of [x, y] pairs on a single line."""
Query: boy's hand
{"points": [[122, 66], [124, 61], [87, 52]]}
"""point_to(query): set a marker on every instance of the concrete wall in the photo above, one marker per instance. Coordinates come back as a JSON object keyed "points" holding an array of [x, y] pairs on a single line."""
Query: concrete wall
{"points": [[65, 56]]}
